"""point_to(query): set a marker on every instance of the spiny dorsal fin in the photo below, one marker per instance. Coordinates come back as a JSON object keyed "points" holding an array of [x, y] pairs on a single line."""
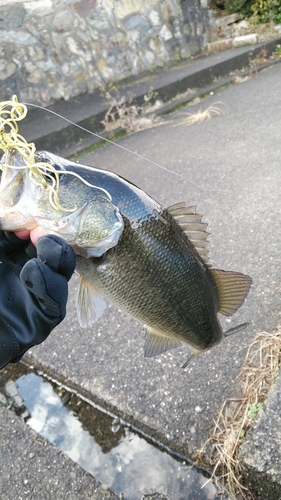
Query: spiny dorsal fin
{"points": [[156, 342], [90, 305], [232, 289], [173, 209], [191, 224]]}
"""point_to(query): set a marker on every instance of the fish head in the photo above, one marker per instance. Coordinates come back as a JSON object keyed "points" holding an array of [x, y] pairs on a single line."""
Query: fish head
{"points": [[81, 214]]}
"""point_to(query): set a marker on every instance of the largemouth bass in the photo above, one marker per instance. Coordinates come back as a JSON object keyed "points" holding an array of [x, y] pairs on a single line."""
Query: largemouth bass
{"points": [[157, 271]]}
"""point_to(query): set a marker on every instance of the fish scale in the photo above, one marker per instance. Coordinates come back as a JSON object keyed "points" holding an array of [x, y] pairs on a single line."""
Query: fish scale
{"points": [[153, 275]]}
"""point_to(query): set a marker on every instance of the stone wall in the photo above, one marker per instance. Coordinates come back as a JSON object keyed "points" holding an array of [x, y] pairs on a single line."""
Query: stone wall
{"points": [[57, 49]]}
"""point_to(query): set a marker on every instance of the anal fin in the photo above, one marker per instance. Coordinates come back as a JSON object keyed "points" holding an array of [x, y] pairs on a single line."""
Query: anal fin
{"points": [[232, 288], [89, 304], [156, 342]]}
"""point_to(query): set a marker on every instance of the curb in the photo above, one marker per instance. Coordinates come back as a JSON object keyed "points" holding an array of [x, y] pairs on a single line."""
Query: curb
{"points": [[204, 74], [260, 454]]}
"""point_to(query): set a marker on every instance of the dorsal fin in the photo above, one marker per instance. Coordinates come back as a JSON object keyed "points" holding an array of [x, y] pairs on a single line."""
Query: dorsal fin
{"points": [[191, 224], [173, 209], [232, 289]]}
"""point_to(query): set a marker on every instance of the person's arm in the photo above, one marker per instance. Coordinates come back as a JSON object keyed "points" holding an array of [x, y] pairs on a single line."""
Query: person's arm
{"points": [[33, 291]]}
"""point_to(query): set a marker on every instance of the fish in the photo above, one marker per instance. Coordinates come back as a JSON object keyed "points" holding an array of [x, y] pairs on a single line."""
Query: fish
{"points": [[83, 215], [158, 270]]}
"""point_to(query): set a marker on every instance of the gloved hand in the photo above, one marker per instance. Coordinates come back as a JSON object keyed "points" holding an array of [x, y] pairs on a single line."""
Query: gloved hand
{"points": [[33, 291]]}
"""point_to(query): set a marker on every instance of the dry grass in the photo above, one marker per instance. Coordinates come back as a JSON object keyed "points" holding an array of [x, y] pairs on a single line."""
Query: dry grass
{"points": [[241, 79], [201, 116], [130, 117], [260, 369]]}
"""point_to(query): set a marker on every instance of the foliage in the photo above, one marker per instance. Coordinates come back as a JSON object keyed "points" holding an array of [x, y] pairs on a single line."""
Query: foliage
{"points": [[243, 7], [278, 50], [261, 11], [254, 410]]}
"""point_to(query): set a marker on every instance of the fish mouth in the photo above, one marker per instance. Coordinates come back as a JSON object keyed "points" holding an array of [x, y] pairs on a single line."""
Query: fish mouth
{"points": [[15, 221]]}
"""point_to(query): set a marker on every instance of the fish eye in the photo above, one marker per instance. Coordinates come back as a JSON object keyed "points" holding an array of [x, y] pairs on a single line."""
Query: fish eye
{"points": [[48, 173], [43, 157]]}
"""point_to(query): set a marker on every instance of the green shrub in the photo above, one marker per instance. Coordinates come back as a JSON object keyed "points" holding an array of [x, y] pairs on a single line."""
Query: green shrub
{"points": [[261, 11], [243, 7]]}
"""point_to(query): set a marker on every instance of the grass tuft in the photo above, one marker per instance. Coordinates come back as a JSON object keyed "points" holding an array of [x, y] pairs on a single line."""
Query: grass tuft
{"points": [[236, 415], [201, 116]]}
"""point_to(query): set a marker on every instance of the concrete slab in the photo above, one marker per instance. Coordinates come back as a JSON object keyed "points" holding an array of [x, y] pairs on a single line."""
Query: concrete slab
{"points": [[260, 454], [230, 166], [32, 468]]}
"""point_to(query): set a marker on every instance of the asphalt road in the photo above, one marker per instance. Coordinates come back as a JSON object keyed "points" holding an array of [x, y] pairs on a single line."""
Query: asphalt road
{"points": [[230, 165], [31, 468]]}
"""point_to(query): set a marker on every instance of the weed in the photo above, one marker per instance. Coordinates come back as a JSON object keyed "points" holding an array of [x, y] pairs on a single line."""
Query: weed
{"points": [[152, 69], [120, 114], [201, 116], [277, 51], [128, 116], [258, 374], [241, 79], [260, 11], [254, 409]]}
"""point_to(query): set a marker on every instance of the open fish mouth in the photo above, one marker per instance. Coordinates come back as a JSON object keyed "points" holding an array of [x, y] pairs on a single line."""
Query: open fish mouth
{"points": [[33, 193], [80, 213]]}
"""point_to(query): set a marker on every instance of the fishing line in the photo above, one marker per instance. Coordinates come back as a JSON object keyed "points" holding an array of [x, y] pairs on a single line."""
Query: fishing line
{"points": [[74, 174], [125, 149], [41, 174]]}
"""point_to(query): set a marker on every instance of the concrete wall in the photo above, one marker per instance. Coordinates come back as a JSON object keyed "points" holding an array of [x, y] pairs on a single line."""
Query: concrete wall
{"points": [[57, 49]]}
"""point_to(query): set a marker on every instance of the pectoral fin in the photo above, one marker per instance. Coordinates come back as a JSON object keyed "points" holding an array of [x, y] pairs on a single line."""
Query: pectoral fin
{"points": [[90, 305], [156, 343], [232, 289]]}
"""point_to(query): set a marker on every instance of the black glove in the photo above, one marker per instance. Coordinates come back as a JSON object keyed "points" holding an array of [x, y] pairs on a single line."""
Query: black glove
{"points": [[33, 291]]}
